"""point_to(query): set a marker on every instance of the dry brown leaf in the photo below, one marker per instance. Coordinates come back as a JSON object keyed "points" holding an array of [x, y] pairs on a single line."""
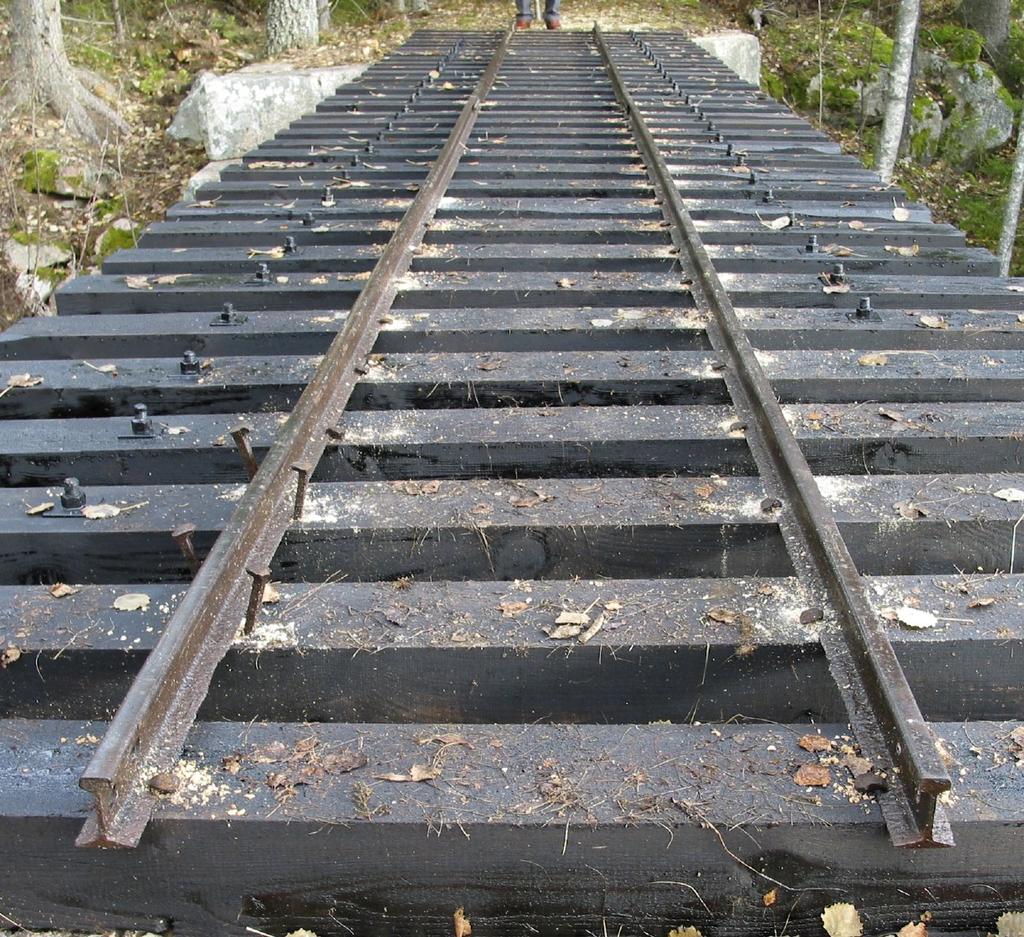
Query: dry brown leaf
{"points": [[776, 224], [511, 609], [837, 250], [982, 601], [910, 511], [110, 369], [1009, 494], [462, 926], [23, 380], [59, 590], [842, 920], [770, 897], [131, 602], [416, 773], [592, 631], [175, 430], [814, 743], [565, 283], [492, 365], [100, 512], [873, 360], [812, 775], [900, 214], [911, 251], [39, 508], [275, 252], [913, 929], [137, 282], [725, 616], [932, 322], [856, 225], [270, 595], [690, 931]]}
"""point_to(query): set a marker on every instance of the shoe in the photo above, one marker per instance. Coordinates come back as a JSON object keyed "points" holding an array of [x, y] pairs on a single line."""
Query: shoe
{"points": [[522, 22], [554, 23]]}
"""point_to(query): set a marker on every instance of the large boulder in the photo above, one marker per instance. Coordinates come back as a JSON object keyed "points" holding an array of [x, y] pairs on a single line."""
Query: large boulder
{"points": [[977, 111], [231, 114], [740, 51]]}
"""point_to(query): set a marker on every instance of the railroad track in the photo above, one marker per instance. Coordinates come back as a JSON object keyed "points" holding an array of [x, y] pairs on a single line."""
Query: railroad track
{"points": [[549, 479]]}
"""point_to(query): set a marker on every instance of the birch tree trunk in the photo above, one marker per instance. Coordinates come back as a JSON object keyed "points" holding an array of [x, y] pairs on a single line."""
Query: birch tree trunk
{"points": [[43, 76], [898, 88], [323, 13], [1012, 211], [291, 24]]}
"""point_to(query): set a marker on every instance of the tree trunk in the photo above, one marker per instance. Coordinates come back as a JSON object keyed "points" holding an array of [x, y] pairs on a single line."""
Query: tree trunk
{"points": [[291, 24], [323, 12], [119, 29], [1012, 211], [898, 88], [990, 18], [43, 76]]}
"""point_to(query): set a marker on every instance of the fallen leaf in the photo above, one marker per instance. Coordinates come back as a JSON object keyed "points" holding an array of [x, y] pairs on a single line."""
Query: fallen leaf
{"points": [[842, 920], [900, 214], [166, 279], [564, 630], [856, 225], [776, 224], [492, 365], [22, 380], [39, 508], [814, 743], [9, 655], [175, 430], [59, 590], [891, 415], [573, 618], [915, 617], [932, 322], [132, 602], [416, 773], [770, 897], [270, 595], [872, 360], [447, 738], [812, 775], [725, 616], [856, 764], [138, 283], [1009, 494], [99, 512], [910, 511], [837, 250], [913, 929], [1010, 924], [983, 601], [110, 369], [592, 631], [276, 252], [690, 931], [462, 925], [511, 609], [911, 251], [566, 283]]}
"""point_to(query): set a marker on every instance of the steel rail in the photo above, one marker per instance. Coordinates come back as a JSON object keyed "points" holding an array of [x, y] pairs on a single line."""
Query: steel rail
{"points": [[148, 731], [879, 701]]}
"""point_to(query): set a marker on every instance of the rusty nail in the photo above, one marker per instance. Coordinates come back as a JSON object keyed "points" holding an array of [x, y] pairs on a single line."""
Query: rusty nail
{"points": [[260, 578], [240, 434], [182, 535], [302, 471], [335, 433]]}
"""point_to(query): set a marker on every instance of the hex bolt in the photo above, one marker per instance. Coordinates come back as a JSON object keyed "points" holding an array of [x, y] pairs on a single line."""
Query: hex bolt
{"points": [[390, 125], [290, 247], [302, 472], [752, 178], [308, 219], [227, 314], [189, 363], [729, 149], [240, 434], [260, 578], [740, 159], [838, 273], [327, 199], [719, 137], [812, 243], [369, 148], [142, 425], [72, 497], [864, 307], [355, 160], [769, 195], [182, 536], [262, 274], [380, 136], [792, 218]]}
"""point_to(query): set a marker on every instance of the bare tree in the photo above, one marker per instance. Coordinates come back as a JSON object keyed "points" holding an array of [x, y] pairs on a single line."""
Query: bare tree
{"points": [[898, 89], [42, 74], [292, 24], [1012, 211], [991, 19], [323, 10]]}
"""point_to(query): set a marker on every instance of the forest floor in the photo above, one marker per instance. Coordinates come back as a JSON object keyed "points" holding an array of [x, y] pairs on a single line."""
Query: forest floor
{"points": [[169, 45]]}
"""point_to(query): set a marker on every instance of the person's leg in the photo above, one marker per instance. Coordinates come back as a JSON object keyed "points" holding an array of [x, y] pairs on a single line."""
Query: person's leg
{"points": [[552, 15], [524, 12]]}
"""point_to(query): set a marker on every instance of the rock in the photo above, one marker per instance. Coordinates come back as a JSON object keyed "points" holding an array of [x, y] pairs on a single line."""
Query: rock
{"points": [[231, 114], [926, 125], [121, 234], [52, 173], [740, 51], [28, 257], [36, 290], [209, 173], [976, 108]]}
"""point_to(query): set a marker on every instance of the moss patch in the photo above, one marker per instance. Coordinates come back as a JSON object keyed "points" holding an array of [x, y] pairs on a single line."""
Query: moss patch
{"points": [[959, 44], [40, 170]]}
